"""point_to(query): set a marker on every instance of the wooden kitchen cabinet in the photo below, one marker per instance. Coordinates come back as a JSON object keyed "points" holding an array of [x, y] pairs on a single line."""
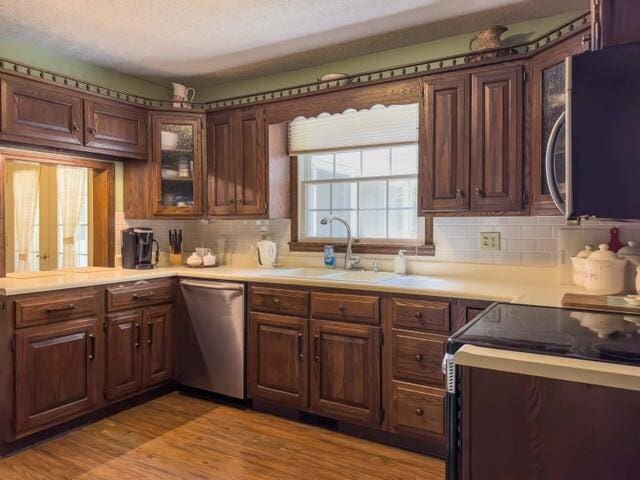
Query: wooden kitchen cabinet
{"points": [[124, 354], [177, 165], [237, 177], [35, 112], [345, 372], [57, 372], [445, 156], [278, 359], [157, 323], [496, 139], [115, 127]]}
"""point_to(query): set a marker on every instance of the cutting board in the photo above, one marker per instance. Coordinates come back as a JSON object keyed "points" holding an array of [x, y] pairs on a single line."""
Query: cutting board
{"points": [[599, 302]]}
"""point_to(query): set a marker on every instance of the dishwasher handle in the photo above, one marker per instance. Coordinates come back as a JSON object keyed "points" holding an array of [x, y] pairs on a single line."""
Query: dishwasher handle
{"points": [[211, 286]]}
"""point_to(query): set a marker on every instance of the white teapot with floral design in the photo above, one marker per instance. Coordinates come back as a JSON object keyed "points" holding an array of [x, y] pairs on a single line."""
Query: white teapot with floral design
{"points": [[604, 272]]}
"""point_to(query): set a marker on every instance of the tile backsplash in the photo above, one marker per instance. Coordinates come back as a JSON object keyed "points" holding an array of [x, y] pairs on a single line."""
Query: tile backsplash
{"points": [[530, 241]]}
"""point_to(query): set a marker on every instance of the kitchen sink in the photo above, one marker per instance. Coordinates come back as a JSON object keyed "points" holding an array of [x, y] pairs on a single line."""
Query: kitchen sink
{"points": [[296, 272], [359, 276]]}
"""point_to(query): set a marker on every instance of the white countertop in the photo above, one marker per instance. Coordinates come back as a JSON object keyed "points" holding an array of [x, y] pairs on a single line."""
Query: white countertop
{"points": [[457, 286]]}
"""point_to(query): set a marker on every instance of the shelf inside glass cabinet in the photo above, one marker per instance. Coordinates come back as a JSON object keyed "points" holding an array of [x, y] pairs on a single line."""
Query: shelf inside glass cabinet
{"points": [[177, 156]]}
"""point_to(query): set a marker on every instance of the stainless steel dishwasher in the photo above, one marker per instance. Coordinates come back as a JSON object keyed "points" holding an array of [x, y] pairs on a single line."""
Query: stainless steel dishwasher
{"points": [[211, 344]]}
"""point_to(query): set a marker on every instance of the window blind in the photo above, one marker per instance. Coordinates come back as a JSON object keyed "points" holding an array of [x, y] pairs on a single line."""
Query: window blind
{"points": [[379, 125]]}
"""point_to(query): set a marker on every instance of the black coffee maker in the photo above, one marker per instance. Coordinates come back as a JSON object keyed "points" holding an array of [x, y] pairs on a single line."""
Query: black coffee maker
{"points": [[137, 248]]}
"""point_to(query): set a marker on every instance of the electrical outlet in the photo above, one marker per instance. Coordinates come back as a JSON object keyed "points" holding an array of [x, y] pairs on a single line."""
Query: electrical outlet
{"points": [[489, 240]]}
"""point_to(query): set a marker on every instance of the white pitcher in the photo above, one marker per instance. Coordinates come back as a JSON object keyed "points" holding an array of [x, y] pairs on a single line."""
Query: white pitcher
{"points": [[181, 93]]}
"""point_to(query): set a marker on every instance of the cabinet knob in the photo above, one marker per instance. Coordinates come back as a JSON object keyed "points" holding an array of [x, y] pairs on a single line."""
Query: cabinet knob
{"points": [[241, 201], [478, 192], [92, 130], [419, 411], [276, 301], [459, 193], [230, 202], [418, 315], [418, 357], [342, 308], [75, 127]]}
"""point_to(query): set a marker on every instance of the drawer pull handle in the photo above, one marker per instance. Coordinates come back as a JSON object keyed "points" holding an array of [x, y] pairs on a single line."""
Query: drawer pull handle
{"points": [[142, 296], [418, 315], [92, 351], [276, 301], [342, 308], [60, 308], [418, 357], [419, 411]]}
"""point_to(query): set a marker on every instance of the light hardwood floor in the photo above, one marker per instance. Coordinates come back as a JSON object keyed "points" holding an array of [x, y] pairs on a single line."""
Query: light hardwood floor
{"points": [[180, 437]]}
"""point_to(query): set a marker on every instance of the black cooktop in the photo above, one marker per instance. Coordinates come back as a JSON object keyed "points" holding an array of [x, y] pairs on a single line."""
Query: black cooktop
{"points": [[601, 336]]}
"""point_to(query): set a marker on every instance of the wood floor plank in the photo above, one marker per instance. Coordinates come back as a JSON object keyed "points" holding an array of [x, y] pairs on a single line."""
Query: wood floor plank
{"points": [[181, 437]]}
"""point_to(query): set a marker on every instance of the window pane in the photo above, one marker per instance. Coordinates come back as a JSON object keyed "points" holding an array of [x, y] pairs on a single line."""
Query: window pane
{"points": [[321, 167], [375, 163], [373, 194], [348, 164], [344, 195], [314, 227], [373, 224], [404, 160], [338, 229], [403, 224], [319, 196], [402, 193]]}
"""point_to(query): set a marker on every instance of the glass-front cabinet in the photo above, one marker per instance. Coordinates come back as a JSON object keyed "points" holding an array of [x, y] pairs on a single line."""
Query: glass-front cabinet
{"points": [[177, 165]]}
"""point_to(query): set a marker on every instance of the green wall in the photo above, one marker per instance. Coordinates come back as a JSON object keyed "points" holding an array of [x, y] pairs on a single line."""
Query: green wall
{"points": [[20, 51], [520, 32]]}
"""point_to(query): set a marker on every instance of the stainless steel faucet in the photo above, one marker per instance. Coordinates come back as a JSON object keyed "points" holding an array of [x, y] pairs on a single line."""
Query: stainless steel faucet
{"points": [[350, 260]]}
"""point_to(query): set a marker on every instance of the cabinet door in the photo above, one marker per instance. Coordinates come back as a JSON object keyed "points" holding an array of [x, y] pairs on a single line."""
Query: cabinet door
{"points": [[496, 139], [56, 373], [158, 344], [115, 127], [251, 165], [177, 165], [278, 360], [345, 371], [445, 156], [124, 354], [40, 112], [221, 180]]}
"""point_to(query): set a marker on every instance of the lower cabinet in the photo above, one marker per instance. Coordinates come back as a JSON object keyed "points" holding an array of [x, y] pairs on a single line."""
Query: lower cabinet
{"points": [[57, 372], [124, 354], [139, 346], [417, 410], [345, 371], [278, 359]]}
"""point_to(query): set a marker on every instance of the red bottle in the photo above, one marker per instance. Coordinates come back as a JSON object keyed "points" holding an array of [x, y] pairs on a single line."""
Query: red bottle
{"points": [[614, 243]]}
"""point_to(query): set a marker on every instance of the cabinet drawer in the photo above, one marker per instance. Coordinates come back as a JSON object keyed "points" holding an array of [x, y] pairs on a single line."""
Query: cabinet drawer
{"points": [[417, 410], [355, 308], [426, 315], [418, 357], [279, 300], [55, 307], [139, 294]]}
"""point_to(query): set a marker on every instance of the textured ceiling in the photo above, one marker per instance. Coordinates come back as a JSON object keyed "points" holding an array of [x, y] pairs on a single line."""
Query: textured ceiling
{"points": [[212, 41]]}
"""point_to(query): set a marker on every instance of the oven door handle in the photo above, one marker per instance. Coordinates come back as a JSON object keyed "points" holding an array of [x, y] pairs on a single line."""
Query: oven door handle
{"points": [[211, 286]]}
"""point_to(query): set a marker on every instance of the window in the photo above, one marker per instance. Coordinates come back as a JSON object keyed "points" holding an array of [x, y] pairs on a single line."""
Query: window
{"points": [[374, 189], [363, 167], [48, 224]]}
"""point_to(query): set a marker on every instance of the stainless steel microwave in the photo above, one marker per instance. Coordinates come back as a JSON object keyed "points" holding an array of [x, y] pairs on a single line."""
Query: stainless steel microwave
{"points": [[602, 139]]}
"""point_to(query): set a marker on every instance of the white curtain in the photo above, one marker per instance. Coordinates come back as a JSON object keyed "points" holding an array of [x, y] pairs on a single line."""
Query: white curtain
{"points": [[72, 185], [26, 193]]}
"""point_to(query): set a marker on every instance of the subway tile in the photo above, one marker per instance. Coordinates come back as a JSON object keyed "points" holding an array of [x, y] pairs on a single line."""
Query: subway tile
{"points": [[454, 231], [480, 257], [537, 259], [509, 231], [467, 221], [444, 220], [467, 244], [523, 220], [494, 220], [557, 220], [536, 231], [474, 231], [548, 245], [522, 245], [507, 258]]}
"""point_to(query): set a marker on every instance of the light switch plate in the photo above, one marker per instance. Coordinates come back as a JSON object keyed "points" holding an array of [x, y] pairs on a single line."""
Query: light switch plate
{"points": [[489, 240]]}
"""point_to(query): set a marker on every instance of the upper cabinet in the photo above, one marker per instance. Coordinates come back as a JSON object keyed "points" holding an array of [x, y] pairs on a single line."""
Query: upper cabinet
{"points": [[115, 127], [471, 141], [237, 163], [496, 139], [177, 164], [38, 112]]}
